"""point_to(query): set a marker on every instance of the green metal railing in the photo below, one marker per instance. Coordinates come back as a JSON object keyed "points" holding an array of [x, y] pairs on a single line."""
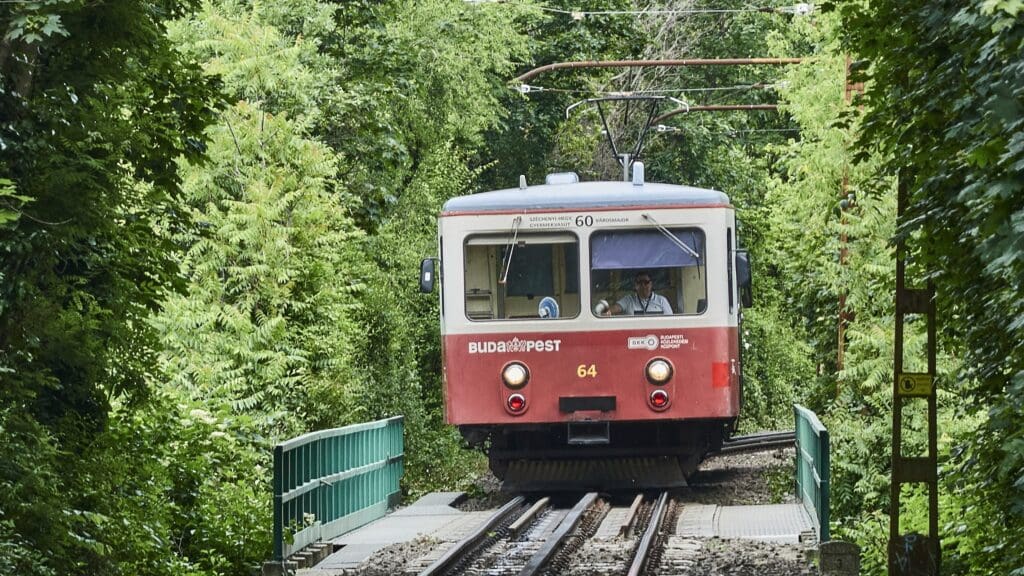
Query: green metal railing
{"points": [[812, 467], [332, 481]]}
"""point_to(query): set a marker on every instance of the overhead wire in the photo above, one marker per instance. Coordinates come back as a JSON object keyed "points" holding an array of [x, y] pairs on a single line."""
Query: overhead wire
{"points": [[801, 9], [717, 92], [530, 88], [681, 11], [662, 128]]}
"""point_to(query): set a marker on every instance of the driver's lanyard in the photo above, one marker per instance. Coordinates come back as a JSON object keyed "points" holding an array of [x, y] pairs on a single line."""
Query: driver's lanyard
{"points": [[645, 304]]}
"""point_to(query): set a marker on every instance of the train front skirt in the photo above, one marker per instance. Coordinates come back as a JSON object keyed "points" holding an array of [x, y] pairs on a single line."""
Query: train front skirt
{"points": [[613, 474]]}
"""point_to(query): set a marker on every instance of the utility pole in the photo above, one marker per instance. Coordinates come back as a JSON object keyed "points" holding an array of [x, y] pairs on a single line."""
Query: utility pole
{"points": [[845, 203]]}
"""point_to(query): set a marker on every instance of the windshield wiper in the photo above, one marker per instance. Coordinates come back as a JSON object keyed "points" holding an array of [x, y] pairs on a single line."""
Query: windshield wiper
{"points": [[506, 264], [679, 243]]}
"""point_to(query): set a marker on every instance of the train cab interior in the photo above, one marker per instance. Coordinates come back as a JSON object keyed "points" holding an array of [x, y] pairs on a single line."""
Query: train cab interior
{"points": [[534, 276], [537, 275], [674, 260], [682, 287]]}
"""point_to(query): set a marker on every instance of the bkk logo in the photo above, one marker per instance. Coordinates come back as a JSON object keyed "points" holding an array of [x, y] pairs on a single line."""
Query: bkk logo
{"points": [[642, 342], [514, 345]]}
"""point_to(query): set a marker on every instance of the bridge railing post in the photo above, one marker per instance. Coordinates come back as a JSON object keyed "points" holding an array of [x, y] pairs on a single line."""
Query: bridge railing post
{"points": [[278, 504], [812, 468]]}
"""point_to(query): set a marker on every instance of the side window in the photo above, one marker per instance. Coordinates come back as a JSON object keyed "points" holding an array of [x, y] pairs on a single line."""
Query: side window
{"points": [[440, 283], [729, 257], [537, 276], [648, 272]]}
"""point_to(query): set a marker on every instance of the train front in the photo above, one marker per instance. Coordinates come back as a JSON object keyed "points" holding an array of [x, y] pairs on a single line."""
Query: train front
{"points": [[590, 331]]}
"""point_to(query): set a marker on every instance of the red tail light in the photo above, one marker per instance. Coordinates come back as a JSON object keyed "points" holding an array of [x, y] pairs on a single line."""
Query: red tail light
{"points": [[659, 399], [516, 403]]}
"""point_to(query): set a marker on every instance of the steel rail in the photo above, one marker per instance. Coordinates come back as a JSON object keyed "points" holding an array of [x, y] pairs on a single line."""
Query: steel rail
{"points": [[780, 434], [644, 548], [527, 516], [752, 447], [759, 442], [762, 441], [551, 546], [631, 515], [454, 554], [655, 63]]}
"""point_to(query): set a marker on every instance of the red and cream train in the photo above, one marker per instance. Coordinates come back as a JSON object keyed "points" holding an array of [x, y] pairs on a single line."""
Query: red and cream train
{"points": [[538, 373]]}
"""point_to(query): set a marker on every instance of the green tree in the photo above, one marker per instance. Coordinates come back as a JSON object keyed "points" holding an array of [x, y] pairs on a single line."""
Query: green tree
{"points": [[944, 104], [273, 268], [96, 106], [417, 76], [829, 239], [535, 137], [356, 114], [425, 81]]}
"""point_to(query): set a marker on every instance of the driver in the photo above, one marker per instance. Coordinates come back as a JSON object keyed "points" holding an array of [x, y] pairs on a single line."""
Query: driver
{"points": [[643, 300]]}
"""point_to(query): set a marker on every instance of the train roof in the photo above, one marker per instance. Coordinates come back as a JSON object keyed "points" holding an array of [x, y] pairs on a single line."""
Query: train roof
{"points": [[584, 195]]}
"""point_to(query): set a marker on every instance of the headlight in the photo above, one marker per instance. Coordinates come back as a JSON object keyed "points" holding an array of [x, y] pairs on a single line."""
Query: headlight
{"points": [[659, 371], [515, 375]]}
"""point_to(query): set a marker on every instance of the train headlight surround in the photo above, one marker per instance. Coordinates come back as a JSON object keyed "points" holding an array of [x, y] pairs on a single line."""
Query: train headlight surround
{"points": [[659, 399], [515, 375], [658, 371], [516, 403]]}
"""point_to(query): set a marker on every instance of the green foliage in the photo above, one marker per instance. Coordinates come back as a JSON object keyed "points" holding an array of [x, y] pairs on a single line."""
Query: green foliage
{"points": [[29, 486], [829, 240], [944, 103], [536, 137], [81, 261], [403, 352], [776, 368], [466, 50], [417, 75], [163, 490], [804, 198], [218, 467], [96, 106], [173, 490], [269, 54], [291, 314], [10, 202], [809, 216], [273, 274]]}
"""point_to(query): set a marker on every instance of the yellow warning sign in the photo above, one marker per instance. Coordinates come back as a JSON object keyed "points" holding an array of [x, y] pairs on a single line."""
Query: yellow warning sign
{"points": [[911, 384]]}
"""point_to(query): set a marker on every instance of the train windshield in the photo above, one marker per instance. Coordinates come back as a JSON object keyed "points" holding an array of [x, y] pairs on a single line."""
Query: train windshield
{"points": [[648, 272], [522, 276]]}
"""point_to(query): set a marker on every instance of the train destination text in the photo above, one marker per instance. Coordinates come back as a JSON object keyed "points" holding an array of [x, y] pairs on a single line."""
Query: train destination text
{"points": [[514, 345]]}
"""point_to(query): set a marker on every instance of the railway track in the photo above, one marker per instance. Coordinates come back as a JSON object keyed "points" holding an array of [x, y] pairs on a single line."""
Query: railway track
{"points": [[592, 536], [546, 537], [758, 441], [716, 525]]}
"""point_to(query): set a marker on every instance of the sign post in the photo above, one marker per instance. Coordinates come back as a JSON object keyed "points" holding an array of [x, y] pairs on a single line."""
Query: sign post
{"points": [[913, 554]]}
